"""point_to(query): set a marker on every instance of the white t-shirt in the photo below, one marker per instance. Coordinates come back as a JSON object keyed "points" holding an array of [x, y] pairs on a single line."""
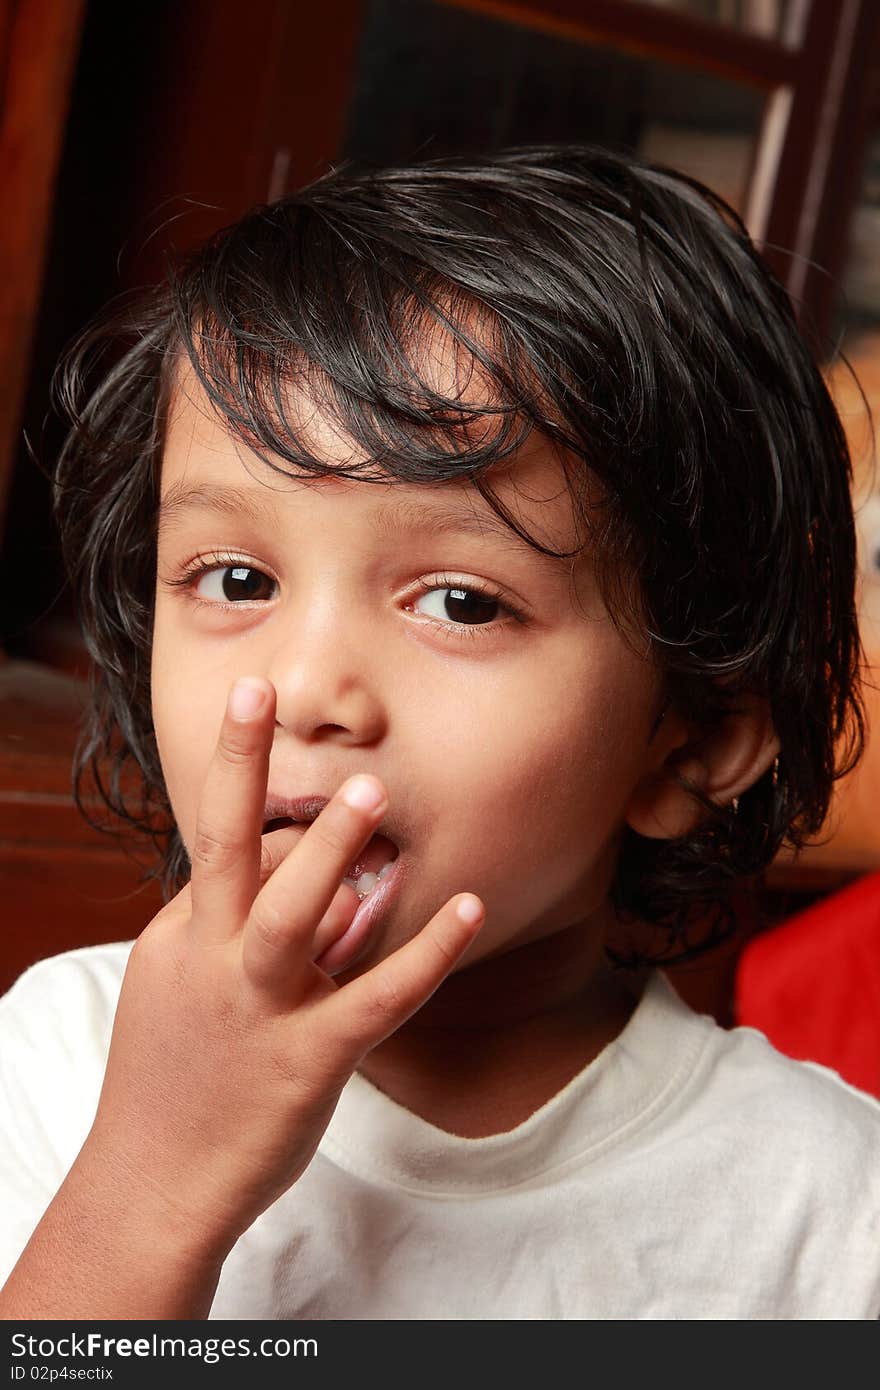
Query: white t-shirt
{"points": [[688, 1172]]}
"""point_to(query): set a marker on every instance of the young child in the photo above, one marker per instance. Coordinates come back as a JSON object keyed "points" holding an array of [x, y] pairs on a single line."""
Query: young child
{"points": [[506, 506]]}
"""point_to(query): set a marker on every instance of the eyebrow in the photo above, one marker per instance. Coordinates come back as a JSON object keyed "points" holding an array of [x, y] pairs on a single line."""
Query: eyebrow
{"points": [[405, 514]]}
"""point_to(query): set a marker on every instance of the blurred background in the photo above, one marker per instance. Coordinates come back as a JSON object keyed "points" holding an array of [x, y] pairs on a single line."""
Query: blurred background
{"points": [[131, 131]]}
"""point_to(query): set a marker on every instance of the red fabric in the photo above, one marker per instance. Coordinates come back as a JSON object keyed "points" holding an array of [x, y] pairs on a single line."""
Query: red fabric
{"points": [[812, 984]]}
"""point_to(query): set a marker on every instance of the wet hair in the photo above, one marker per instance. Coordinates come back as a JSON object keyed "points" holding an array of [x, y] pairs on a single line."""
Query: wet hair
{"points": [[619, 308]]}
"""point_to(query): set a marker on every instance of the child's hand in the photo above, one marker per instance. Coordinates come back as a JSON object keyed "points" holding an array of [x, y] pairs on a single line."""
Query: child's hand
{"points": [[230, 1046]]}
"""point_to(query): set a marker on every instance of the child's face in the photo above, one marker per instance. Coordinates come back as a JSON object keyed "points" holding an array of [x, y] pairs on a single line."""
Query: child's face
{"points": [[509, 749]]}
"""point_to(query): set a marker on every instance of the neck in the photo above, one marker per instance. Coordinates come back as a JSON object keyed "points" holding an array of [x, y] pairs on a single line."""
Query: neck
{"points": [[502, 1036]]}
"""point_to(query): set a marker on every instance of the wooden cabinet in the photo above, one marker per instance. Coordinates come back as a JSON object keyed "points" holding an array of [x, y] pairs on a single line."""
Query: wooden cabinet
{"points": [[63, 883]]}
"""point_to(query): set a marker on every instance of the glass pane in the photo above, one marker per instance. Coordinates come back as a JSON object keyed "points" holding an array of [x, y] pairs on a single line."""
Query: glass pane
{"points": [[438, 80], [767, 18]]}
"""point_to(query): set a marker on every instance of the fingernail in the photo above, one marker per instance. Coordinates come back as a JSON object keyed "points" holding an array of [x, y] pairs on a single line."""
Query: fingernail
{"points": [[469, 909], [363, 794], [246, 699]]}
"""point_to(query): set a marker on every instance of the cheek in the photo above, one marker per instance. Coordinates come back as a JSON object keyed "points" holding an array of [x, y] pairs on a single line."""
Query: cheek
{"points": [[541, 787], [186, 730]]}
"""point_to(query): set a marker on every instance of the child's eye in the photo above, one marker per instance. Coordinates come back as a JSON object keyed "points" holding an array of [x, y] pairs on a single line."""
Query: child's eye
{"points": [[465, 605], [226, 579]]}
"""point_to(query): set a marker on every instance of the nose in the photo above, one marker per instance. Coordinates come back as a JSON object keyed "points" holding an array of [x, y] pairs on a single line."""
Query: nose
{"points": [[327, 673]]}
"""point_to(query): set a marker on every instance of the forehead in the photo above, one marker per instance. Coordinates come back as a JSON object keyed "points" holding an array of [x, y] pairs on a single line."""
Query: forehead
{"points": [[208, 470]]}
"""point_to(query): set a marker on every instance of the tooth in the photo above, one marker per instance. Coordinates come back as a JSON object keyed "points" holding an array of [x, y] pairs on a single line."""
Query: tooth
{"points": [[364, 885], [367, 882]]}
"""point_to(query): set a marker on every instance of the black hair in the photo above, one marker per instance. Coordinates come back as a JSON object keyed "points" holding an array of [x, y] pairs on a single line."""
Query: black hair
{"points": [[616, 306]]}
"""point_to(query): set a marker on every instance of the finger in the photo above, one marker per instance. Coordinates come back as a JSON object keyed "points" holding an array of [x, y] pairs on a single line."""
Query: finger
{"points": [[227, 848], [280, 930], [277, 844], [372, 1006], [336, 920]]}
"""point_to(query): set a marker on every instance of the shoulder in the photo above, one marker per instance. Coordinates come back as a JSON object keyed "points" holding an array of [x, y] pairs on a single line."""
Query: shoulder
{"points": [[759, 1175], [55, 1025], [759, 1077], [784, 1116], [67, 989]]}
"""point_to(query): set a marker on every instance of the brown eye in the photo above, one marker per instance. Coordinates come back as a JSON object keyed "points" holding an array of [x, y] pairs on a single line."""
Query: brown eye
{"points": [[235, 584], [462, 605]]}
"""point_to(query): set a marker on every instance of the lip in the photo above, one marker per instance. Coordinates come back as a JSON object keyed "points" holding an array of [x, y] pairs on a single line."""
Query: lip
{"points": [[348, 947], [302, 808], [308, 808]]}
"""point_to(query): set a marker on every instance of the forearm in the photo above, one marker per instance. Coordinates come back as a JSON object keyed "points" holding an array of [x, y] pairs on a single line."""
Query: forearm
{"points": [[100, 1252]]}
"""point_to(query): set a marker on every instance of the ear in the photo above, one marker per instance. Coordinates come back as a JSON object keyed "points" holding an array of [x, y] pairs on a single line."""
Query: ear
{"points": [[723, 764]]}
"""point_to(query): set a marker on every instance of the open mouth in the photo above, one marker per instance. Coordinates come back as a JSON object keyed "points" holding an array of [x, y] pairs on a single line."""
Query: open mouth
{"points": [[373, 862]]}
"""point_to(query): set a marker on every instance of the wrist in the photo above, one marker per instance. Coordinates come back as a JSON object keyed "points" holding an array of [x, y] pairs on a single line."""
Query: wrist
{"points": [[101, 1251], [106, 1186], [131, 1251]]}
